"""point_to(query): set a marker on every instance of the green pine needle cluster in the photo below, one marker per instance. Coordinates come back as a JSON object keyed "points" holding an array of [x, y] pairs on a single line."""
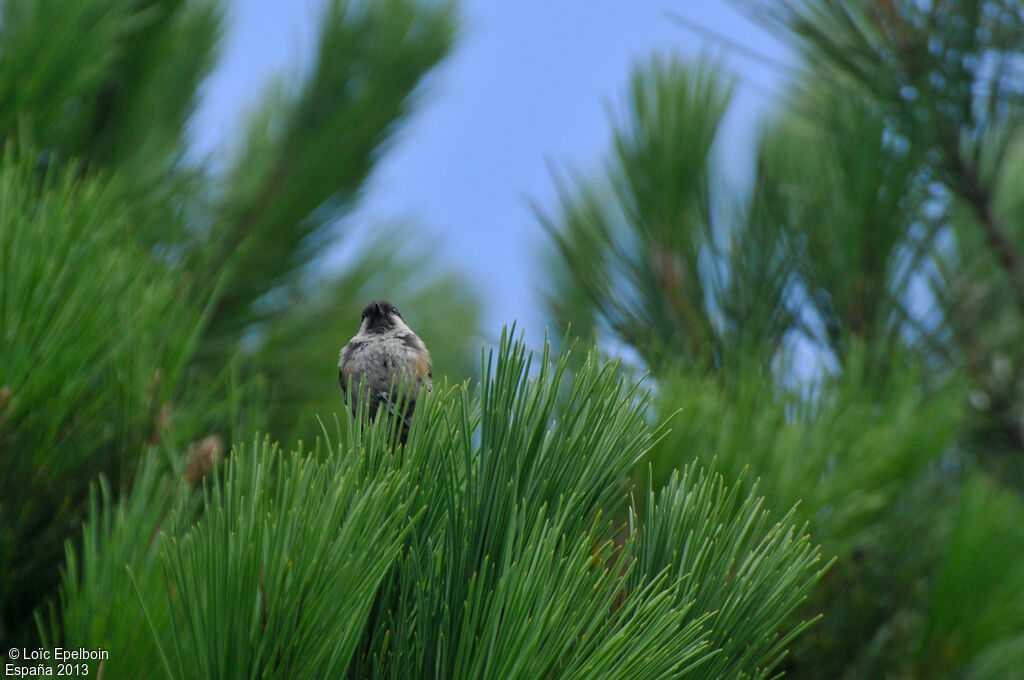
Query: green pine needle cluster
{"points": [[486, 547]]}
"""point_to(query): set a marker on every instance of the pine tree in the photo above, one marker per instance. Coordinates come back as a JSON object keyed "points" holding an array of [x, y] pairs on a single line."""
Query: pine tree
{"points": [[148, 302], [552, 520], [485, 547], [880, 240]]}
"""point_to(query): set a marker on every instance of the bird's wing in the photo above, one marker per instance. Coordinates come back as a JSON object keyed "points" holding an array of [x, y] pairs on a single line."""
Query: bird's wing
{"points": [[346, 373], [424, 370], [345, 376]]}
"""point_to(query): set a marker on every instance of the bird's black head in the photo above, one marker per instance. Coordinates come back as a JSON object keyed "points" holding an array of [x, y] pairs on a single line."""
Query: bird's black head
{"points": [[380, 315]]}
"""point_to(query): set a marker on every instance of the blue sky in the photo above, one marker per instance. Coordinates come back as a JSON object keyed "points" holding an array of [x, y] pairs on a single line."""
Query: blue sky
{"points": [[527, 88]]}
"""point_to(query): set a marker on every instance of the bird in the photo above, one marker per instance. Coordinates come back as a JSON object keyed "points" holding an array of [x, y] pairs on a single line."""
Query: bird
{"points": [[385, 356]]}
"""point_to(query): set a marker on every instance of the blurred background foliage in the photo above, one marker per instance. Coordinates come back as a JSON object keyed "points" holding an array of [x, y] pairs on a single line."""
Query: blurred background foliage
{"points": [[847, 327], [843, 336]]}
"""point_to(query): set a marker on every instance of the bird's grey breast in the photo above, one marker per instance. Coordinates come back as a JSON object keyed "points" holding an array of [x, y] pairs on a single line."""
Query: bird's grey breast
{"points": [[378, 360]]}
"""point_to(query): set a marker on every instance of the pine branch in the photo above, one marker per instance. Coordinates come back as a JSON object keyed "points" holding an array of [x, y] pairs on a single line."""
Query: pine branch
{"points": [[490, 553], [1003, 249]]}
